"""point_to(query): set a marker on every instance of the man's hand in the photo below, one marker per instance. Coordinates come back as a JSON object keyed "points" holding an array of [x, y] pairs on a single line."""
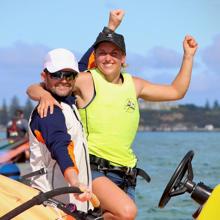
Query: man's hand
{"points": [[86, 195], [71, 176], [115, 18], [190, 46]]}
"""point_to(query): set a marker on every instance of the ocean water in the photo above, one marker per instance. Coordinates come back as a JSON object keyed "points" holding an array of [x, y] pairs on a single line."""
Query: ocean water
{"points": [[159, 153]]}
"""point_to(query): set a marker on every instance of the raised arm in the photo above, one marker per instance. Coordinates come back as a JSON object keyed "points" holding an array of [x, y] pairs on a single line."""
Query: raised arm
{"points": [[115, 19], [38, 93], [179, 86]]}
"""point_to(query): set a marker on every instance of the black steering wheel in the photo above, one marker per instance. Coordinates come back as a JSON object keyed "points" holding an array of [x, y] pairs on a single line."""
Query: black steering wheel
{"points": [[176, 185]]}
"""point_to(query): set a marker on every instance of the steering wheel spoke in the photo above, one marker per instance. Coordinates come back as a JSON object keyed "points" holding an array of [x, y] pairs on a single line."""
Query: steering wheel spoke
{"points": [[177, 184], [179, 191]]}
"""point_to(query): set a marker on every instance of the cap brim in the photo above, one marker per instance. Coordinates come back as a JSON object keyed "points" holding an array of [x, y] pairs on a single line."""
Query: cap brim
{"points": [[95, 45]]}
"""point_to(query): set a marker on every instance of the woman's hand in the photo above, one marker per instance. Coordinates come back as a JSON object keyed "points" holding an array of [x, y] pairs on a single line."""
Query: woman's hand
{"points": [[190, 46], [115, 18], [47, 101]]}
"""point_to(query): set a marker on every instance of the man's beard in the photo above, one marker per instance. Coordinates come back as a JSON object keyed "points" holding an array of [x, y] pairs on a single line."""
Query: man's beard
{"points": [[62, 89]]}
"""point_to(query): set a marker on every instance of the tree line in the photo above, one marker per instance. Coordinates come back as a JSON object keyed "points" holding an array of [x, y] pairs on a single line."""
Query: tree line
{"points": [[7, 111], [209, 113], [187, 116]]}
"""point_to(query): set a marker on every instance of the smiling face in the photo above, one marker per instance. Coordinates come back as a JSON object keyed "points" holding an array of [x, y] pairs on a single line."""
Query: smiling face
{"points": [[109, 59], [61, 87]]}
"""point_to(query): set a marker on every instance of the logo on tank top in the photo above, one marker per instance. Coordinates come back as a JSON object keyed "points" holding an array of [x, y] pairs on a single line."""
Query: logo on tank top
{"points": [[130, 105]]}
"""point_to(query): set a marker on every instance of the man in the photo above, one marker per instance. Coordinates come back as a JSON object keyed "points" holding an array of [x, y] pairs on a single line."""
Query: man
{"points": [[57, 142], [17, 128], [17, 132]]}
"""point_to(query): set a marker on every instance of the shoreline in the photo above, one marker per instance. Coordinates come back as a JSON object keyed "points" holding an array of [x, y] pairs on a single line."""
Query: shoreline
{"points": [[159, 129], [169, 129]]}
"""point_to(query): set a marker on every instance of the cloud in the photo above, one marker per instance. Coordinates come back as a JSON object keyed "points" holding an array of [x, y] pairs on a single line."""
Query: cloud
{"points": [[136, 63], [211, 55], [160, 65], [22, 56], [157, 58], [160, 57], [20, 66], [204, 86]]}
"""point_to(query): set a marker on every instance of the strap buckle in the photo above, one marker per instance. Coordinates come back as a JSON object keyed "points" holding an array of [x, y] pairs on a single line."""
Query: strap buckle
{"points": [[101, 168], [130, 171]]}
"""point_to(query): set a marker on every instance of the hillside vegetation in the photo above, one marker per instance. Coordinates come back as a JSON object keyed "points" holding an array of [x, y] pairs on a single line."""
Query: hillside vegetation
{"points": [[183, 117]]}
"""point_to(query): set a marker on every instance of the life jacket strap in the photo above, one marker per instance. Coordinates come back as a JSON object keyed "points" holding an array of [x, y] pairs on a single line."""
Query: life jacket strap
{"points": [[41, 171], [101, 164]]}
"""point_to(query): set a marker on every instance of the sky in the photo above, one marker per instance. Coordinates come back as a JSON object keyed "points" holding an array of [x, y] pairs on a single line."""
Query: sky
{"points": [[153, 30]]}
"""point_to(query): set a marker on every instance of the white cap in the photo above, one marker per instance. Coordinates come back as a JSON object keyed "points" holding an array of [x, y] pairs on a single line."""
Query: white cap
{"points": [[59, 59]]}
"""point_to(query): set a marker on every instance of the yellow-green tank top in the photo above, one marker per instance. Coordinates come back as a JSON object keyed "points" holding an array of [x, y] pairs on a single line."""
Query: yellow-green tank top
{"points": [[111, 120]]}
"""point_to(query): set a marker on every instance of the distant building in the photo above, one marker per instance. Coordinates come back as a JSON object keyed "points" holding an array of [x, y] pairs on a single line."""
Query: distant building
{"points": [[209, 127]]}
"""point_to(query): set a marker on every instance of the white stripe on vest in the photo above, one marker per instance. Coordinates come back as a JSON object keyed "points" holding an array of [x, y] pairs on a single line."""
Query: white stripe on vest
{"points": [[40, 157]]}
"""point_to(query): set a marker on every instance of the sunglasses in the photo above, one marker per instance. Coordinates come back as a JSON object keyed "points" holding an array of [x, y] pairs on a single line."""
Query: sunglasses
{"points": [[68, 75]]}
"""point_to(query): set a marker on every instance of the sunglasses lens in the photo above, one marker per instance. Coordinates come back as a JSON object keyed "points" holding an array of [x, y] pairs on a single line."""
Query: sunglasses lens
{"points": [[55, 75], [63, 74]]}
